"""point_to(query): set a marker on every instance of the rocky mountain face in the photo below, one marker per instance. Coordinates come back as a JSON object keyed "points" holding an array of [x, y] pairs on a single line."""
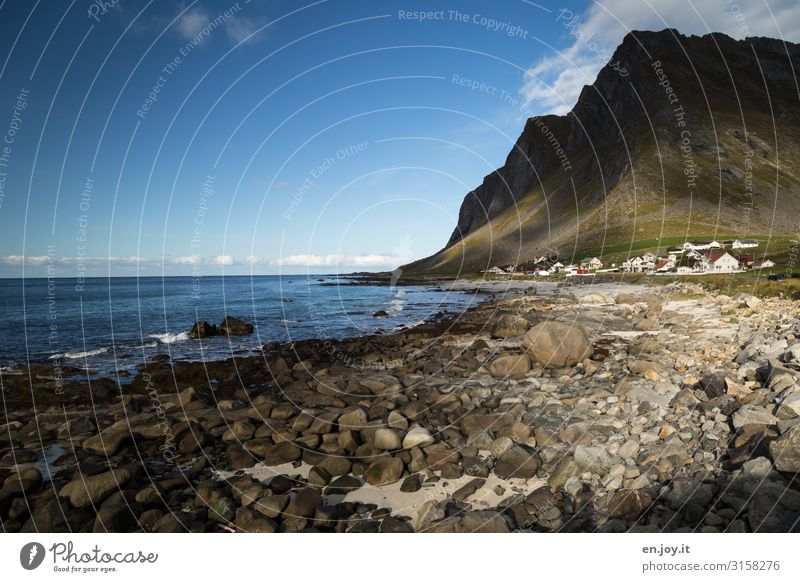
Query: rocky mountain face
{"points": [[680, 136]]}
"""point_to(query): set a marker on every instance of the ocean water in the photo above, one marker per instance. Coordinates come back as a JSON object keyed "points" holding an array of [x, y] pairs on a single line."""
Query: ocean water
{"points": [[117, 323]]}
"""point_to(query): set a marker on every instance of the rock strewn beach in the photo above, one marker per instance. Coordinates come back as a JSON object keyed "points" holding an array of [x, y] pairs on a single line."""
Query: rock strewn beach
{"points": [[598, 408]]}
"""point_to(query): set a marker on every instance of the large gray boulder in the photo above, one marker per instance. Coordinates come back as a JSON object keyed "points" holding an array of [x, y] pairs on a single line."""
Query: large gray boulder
{"points": [[509, 325], [90, 491], [509, 366], [785, 451], [556, 344]]}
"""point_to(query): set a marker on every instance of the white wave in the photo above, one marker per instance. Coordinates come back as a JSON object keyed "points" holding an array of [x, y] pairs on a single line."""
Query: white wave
{"points": [[288, 321], [79, 355], [145, 345], [170, 338], [401, 293], [396, 306]]}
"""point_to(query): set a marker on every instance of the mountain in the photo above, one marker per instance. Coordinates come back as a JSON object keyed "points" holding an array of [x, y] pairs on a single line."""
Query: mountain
{"points": [[678, 137]]}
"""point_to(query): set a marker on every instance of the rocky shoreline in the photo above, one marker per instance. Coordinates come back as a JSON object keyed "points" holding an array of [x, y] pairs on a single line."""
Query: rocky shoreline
{"points": [[600, 408]]}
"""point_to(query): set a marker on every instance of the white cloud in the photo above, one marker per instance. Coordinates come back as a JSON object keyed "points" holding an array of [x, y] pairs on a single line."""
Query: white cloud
{"points": [[243, 29], [255, 260], [191, 260], [192, 22], [337, 260], [401, 255], [18, 260], [223, 260], [552, 85]]}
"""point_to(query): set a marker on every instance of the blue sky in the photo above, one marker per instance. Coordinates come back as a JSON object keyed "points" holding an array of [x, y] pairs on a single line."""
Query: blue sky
{"points": [[265, 137]]}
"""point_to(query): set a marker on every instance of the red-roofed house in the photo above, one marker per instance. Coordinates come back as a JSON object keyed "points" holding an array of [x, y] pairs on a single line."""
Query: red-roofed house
{"points": [[718, 262]]}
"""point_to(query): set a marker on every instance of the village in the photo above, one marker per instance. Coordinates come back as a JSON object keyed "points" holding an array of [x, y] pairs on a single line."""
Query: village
{"points": [[691, 258]]}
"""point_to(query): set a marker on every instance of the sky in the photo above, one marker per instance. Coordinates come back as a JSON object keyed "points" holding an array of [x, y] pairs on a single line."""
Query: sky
{"points": [[210, 137]]}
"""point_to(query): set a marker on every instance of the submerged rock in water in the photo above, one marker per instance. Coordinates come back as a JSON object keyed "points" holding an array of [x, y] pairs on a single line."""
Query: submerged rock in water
{"points": [[203, 329], [233, 326]]}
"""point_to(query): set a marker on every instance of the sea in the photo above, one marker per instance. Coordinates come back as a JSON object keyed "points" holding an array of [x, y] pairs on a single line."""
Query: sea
{"points": [[111, 324]]}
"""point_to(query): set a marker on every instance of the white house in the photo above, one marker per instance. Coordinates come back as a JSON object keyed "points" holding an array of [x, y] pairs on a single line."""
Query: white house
{"points": [[719, 262], [763, 265], [639, 264], [556, 267], [592, 263], [744, 244], [684, 270], [649, 257], [664, 265], [701, 245], [495, 271]]}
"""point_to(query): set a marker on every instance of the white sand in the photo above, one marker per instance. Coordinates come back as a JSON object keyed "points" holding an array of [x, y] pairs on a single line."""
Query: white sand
{"points": [[401, 503]]}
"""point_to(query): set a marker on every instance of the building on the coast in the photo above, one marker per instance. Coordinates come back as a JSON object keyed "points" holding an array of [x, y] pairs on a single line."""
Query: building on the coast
{"points": [[699, 245], [744, 244], [649, 257], [591, 263], [665, 265], [494, 271], [716, 261], [762, 265], [639, 264], [745, 260]]}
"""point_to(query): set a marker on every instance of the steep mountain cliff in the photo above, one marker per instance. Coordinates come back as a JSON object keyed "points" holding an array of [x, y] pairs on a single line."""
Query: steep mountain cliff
{"points": [[678, 136]]}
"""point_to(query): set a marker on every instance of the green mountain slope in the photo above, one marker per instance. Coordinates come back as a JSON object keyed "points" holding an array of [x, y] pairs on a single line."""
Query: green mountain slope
{"points": [[698, 136]]}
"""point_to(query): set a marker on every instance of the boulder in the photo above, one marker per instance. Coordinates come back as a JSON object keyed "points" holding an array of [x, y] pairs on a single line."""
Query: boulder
{"points": [[411, 483], [556, 344], [233, 326], [752, 414], [518, 461], [343, 485], [90, 491], [747, 300], [626, 503], [509, 325], [785, 451], [417, 437], [714, 385], [595, 459], [108, 442], [483, 522], [387, 439], [509, 366], [775, 508], [384, 471], [790, 407], [203, 329], [356, 418], [272, 505], [304, 504]]}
